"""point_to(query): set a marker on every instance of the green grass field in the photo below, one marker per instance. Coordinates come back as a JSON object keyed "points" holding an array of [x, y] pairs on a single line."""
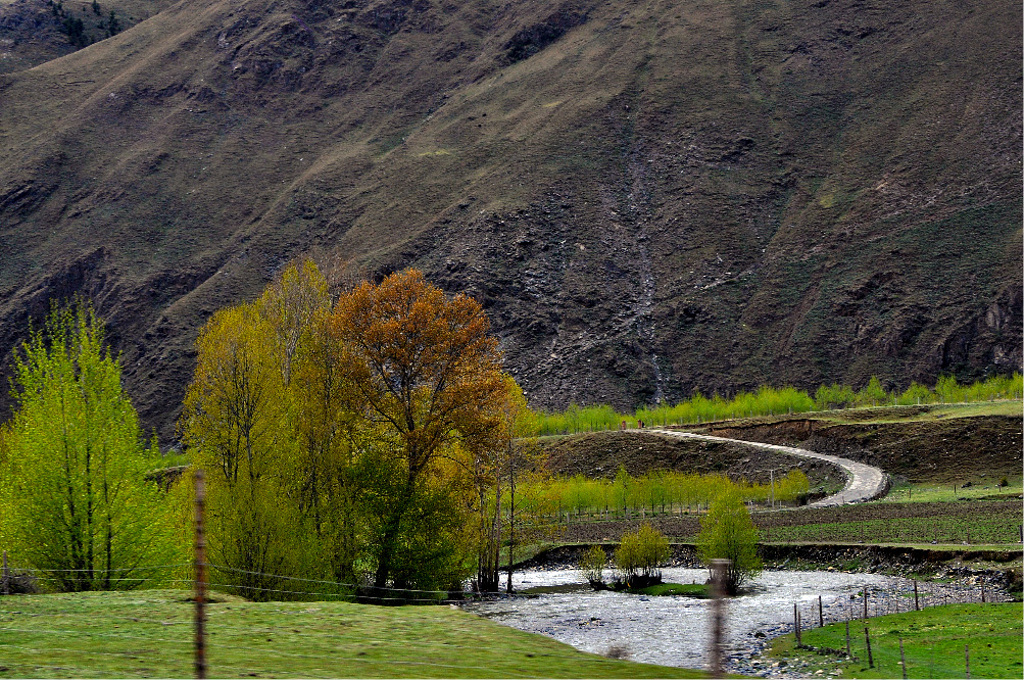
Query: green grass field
{"points": [[879, 415], [979, 529], [149, 634], [698, 590], [933, 642], [927, 493]]}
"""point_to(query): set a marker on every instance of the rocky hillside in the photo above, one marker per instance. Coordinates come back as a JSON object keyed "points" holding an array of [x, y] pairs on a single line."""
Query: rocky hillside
{"points": [[35, 31], [649, 197]]}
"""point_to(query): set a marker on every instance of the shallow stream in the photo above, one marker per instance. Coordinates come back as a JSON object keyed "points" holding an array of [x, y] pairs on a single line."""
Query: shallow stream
{"points": [[674, 630]]}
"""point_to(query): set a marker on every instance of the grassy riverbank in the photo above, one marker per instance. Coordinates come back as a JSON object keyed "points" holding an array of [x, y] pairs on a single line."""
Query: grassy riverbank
{"points": [[933, 643], [149, 634], [698, 590]]}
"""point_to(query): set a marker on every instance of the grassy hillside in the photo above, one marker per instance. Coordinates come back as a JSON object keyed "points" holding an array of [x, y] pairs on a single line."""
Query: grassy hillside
{"points": [[33, 32], [149, 634], [648, 197]]}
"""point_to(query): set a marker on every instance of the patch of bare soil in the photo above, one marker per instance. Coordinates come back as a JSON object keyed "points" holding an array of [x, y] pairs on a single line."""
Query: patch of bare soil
{"points": [[939, 451], [601, 454]]}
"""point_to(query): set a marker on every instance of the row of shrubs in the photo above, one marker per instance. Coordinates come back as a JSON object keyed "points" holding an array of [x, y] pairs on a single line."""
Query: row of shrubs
{"points": [[768, 401], [637, 559], [659, 491], [726, 532]]}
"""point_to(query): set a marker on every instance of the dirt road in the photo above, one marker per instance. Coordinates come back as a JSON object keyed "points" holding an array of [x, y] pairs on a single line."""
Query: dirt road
{"points": [[863, 482]]}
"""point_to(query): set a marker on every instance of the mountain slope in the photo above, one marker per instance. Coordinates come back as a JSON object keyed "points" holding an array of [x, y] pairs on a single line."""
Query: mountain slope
{"points": [[648, 197]]}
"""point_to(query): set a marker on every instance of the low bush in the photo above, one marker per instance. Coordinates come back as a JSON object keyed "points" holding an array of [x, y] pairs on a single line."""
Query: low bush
{"points": [[640, 555], [592, 564]]}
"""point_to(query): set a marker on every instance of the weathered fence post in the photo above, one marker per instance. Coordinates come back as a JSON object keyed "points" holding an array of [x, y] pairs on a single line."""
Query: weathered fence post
{"points": [[718, 575], [967, 662], [867, 641], [983, 592], [903, 660], [200, 595], [865, 604], [821, 614], [917, 607], [796, 624], [6, 576]]}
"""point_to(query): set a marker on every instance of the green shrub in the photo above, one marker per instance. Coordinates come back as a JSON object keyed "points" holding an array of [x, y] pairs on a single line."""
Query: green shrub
{"points": [[640, 555], [727, 532], [592, 564]]}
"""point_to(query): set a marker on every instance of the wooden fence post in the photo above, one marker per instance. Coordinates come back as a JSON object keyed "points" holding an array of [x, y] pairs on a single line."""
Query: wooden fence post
{"points": [[200, 595], [865, 604], [917, 607], [719, 568], [903, 660], [821, 614], [967, 661], [796, 624], [867, 640], [6, 576]]}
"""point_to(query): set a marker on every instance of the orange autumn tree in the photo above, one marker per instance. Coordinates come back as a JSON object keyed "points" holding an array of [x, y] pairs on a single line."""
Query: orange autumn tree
{"points": [[423, 372], [339, 439]]}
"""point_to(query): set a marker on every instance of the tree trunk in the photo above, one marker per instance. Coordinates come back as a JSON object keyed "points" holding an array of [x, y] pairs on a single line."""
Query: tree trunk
{"points": [[388, 540]]}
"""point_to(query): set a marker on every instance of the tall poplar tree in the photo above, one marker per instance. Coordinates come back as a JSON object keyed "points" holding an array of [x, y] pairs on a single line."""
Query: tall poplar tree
{"points": [[77, 504]]}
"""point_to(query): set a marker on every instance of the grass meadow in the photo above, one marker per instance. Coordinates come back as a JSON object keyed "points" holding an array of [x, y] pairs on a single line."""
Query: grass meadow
{"points": [[149, 634], [768, 401], [934, 641]]}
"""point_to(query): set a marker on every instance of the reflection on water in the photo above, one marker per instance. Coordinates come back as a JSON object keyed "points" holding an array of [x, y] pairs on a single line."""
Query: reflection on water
{"points": [[673, 630]]}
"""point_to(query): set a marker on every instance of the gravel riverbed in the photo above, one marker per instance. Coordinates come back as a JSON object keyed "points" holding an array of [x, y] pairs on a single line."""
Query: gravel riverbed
{"points": [[674, 630]]}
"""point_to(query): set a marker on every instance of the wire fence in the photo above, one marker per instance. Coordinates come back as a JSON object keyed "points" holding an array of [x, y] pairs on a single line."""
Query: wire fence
{"points": [[856, 611], [262, 585], [869, 603]]}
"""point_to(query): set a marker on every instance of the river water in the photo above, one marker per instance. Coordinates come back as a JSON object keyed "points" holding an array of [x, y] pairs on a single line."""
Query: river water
{"points": [[674, 630]]}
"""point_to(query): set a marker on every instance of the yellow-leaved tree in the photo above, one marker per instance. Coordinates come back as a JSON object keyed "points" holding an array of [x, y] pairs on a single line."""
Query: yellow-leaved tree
{"points": [[234, 425], [339, 438]]}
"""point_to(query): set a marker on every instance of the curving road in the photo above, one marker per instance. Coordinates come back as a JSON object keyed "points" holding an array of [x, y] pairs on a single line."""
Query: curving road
{"points": [[863, 482]]}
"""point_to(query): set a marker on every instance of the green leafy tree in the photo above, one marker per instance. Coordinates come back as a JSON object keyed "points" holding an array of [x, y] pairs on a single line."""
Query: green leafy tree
{"points": [[518, 438], [873, 394], [916, 394], [622, 487], [234, 425], [344, 443], [640, 555], [728, 532], [592, 564], [948, 390], [834, 396], [76, 500]]}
